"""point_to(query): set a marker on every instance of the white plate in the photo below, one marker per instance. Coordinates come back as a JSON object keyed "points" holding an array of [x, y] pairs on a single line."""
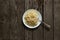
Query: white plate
{"points": [[38, 23]]}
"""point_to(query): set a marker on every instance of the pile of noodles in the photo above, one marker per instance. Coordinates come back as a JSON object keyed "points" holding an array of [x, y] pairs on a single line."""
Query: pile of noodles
{"points": [[31, 18]]}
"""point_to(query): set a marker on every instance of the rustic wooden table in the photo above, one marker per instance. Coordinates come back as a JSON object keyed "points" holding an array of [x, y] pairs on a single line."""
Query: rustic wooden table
{"points": [[12, 28]]}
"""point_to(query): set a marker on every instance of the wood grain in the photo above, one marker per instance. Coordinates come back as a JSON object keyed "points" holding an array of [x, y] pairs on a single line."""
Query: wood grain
{"points": [[4, 20], [56, 19], [38, 32], [12, 28], [16, 9], [28, 32], [48, 18]]}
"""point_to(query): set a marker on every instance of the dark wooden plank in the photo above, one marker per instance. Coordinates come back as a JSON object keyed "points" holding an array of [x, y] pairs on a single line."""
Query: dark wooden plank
{"points": [[48, 18], [16, 26], [28, 32], [38, 33], [4, 19], [56, 19]]}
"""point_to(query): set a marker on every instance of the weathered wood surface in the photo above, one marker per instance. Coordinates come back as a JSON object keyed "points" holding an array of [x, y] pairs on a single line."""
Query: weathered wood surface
{"points": [[28, 32], [16, 26], [12, 28], [48, 18], [4, 20], [56, 19]]}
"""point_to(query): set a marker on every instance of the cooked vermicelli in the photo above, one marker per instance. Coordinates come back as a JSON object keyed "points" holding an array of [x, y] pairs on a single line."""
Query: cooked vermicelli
{"points": [[31, 18]]}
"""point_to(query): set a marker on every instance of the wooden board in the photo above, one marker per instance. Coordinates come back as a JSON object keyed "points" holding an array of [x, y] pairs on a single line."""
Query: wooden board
{"points": [[38, 32], [12, 28], [56, 19], [4, 20], [28, 32], [48, 18], [16, 10]]}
